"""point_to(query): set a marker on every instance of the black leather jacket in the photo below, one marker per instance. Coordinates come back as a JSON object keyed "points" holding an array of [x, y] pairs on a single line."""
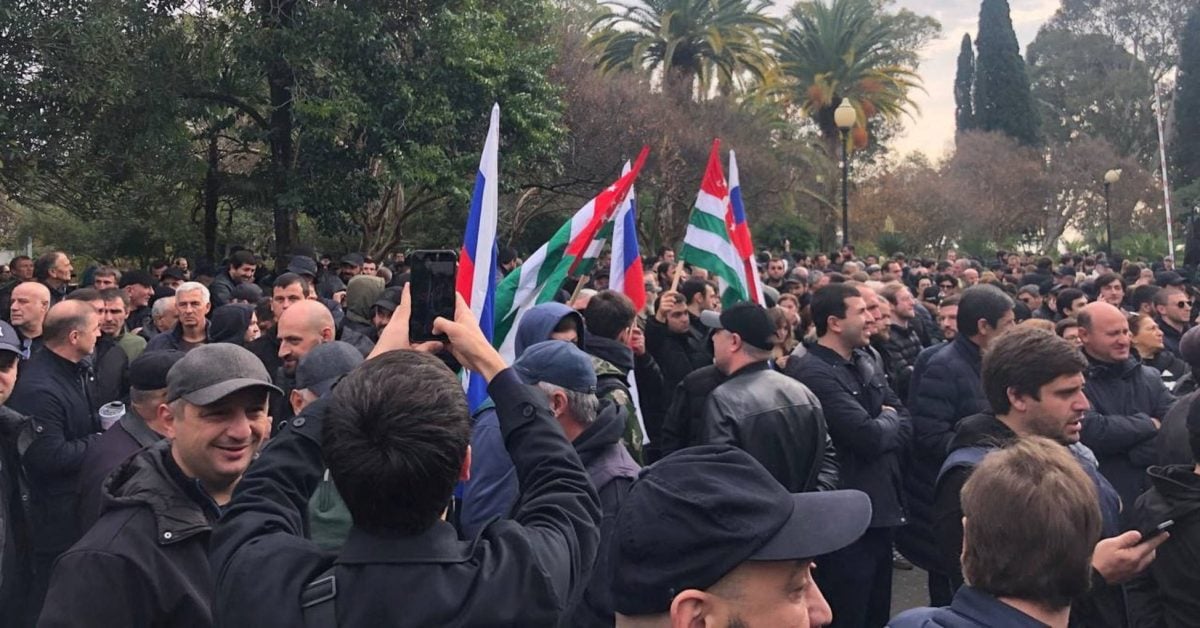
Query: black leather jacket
{"points": [[777, 420]]}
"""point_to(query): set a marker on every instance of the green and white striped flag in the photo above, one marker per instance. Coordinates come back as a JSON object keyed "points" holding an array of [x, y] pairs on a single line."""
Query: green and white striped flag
{"points": [[707, 243]]}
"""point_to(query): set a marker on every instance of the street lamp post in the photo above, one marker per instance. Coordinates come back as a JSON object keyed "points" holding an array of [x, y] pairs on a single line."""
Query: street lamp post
{"points": [[844, 117], [1110, 177]]}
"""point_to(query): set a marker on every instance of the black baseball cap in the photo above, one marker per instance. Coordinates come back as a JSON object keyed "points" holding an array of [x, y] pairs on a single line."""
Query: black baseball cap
{"points": [[748, 320], [137, 277], [302, 265], [174, 273], [149, 370], [352, 259], [325, 364], [698, 513], [1169, 278]]}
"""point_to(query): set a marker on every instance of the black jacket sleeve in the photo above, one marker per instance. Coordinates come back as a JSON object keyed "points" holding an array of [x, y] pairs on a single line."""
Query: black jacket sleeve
{"points": [[850, 425], [947, 522]]}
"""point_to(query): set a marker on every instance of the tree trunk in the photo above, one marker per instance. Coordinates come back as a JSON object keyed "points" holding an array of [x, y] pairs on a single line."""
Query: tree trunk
{"points": [[278, 14], [212, 196]]}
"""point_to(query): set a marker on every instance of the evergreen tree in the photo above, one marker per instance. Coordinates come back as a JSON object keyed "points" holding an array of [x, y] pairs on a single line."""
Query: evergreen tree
{"points": [[964, 82], [1002, 97], [1187, 106]]}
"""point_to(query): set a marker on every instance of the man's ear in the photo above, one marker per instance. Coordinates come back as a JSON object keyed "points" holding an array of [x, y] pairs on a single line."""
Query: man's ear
{"points": [[166, 419], [691, 608]]}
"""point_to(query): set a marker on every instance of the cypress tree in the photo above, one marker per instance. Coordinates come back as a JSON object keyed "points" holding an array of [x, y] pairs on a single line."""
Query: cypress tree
{"points": [[1002, 98], [1186, 152], [964, 82]]}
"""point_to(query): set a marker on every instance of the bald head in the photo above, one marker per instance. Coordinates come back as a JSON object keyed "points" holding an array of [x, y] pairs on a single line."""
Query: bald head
{"points": [[71, 329], [301, 327], [30, 300], [1104, 332]]}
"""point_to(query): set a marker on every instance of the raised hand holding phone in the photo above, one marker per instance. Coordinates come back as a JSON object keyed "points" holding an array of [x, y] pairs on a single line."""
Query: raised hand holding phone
{"points": [[467, 342], [396, 334]]}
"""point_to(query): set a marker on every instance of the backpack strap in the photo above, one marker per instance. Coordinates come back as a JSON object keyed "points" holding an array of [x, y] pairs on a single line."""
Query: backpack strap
{"points": [[318, 601], [964, 457]]}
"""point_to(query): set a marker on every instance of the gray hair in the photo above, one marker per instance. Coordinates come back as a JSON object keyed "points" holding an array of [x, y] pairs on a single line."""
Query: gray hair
{"points": [[160, 307], [194, 286], [583, 406]]}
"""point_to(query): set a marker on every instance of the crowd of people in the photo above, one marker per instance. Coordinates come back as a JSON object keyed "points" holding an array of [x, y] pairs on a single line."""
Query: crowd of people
{"points": [[193, 446]]}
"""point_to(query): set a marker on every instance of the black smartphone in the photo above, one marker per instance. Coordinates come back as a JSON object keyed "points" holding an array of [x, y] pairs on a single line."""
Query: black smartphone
{"points": [[431, 287], [1150, 532]]}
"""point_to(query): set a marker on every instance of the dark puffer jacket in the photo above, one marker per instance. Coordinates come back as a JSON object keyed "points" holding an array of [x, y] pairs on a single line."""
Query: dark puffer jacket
{"points": [[1166, 593], [15, 557], [1124, 396], [900, 353], [149, 549]]}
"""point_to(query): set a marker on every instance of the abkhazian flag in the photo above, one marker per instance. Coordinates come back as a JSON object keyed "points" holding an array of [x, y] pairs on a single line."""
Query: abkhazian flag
{"points": [[476, 279], [707, 242], [739, 232], [625, 275], [571, 250]]}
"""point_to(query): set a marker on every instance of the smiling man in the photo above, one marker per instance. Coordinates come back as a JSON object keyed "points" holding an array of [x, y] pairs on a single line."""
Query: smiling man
{"points": [[149, 546]]}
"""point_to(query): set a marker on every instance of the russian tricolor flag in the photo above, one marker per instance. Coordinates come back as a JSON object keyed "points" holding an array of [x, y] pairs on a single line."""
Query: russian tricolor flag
{"points": [[626, 274], [739, 233], [476, 280]]}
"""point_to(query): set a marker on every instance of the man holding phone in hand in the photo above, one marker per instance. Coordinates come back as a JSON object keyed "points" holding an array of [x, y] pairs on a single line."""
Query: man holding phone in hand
{"points": [[395, 437]]}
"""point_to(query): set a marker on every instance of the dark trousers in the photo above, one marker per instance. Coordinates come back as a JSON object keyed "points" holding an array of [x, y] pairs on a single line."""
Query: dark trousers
{"points": [[857, 581]]}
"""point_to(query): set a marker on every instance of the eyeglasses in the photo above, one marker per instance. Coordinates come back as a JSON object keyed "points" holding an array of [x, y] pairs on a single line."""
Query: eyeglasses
{"points": [[1181, 304], [946, 286]]}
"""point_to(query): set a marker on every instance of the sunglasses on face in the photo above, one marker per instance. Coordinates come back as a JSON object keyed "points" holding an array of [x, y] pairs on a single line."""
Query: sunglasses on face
{"points": [[1183, 304], [946, 286]]}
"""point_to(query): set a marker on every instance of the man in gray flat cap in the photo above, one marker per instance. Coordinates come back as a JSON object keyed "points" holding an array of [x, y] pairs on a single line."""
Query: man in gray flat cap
{"points": [[145, 561]]}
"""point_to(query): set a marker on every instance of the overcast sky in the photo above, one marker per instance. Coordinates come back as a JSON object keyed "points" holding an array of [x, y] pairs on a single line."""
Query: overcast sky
{"points": [[932, 131]]}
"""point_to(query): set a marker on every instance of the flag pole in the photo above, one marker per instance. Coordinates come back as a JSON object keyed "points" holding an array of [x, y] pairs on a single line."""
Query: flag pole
{"points": [[583, 279], [678, 273]]}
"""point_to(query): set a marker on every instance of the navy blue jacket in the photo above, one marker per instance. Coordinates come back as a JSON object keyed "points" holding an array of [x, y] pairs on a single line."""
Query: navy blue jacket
{"points": [[869, 440], [948, 389], [1124, 396], [971, 608], [519, 572], [173, 340], [53, 392]]}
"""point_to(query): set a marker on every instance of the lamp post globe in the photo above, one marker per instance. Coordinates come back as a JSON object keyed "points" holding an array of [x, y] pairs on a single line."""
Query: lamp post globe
{"points": [[845, 117]]}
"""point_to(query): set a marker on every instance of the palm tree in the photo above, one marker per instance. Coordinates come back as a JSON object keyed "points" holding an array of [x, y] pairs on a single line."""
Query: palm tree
{"points": [[846, 49], [693, 42]]}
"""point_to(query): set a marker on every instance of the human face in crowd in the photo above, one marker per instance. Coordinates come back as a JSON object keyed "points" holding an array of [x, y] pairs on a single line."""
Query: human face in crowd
{"points": [[1076, 305], [181, 263], [8, 379], [85, 340], [112, 317], [1058, 412], [822, 262], [296, 339], [1071, 334], [1145, 277], [171, 282], [947, 287], [951, 256], [369, 268], [169, 317], [668, 256], [776, 269], [1178, 309], [970, 276], [714, 299], [243, 273], [62, 269], [1008, 320], [139, 296], [723, 350], [1031, 301], [855, 328], [1112, 293], [793, 314], [348, 271], [216, 443], [252, 330], [380, 318], [1108, 339], [1147, 338], [104, 282], [28, 307], [906, 305], [283, 298], [759, 594], [191, 308], [874, 313], [23, 269], [947, 319], [678, 321]]}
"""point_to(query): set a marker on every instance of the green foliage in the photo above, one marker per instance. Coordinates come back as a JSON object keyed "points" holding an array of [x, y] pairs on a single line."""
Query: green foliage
{"points": [[1144, 246], [851, 49], [1088, 84], [1002, 98], [773, 230], [696, 43], [891, 242], [1186, 153], [964, 84]]}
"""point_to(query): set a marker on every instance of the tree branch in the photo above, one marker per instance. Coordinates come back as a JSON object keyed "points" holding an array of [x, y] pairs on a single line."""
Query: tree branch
{"points": [[234, 102]]}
